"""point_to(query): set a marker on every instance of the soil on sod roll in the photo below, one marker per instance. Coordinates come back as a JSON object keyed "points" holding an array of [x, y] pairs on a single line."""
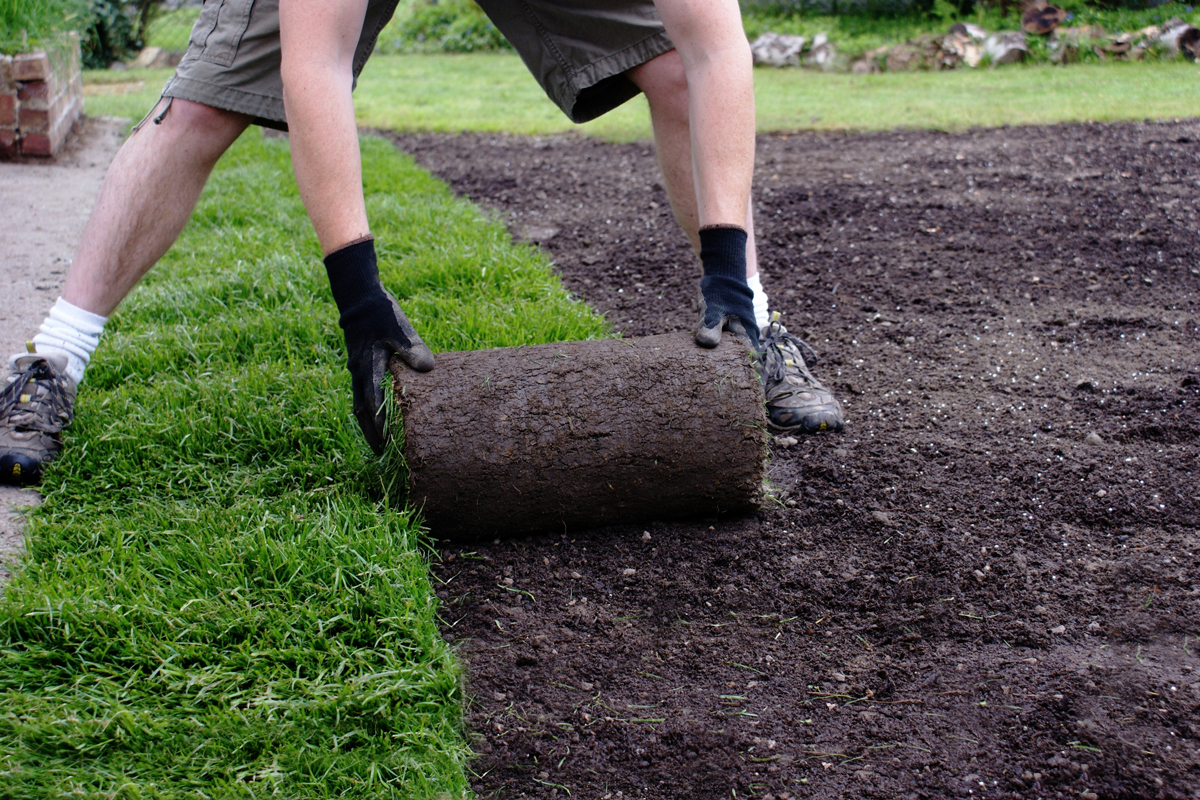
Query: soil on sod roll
{"points": [[582, 434], [987, 586]]}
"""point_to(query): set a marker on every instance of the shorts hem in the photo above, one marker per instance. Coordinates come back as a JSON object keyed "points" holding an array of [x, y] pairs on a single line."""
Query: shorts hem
{"points": [[266, 110], [591, 76]]}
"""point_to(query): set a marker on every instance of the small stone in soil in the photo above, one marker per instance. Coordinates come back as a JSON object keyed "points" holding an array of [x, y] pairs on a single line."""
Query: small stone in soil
{"points": [[1059, 629], [628, 572], [1094, 439], [645, 536], [786, 441]]}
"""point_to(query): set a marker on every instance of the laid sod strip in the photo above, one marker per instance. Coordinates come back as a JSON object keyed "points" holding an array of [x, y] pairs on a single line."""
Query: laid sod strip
{"points": [[217, 600]]}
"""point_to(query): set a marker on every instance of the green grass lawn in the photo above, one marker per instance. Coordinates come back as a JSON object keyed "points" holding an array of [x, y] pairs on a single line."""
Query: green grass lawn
{"points": [[494, 92], [218, 599]]}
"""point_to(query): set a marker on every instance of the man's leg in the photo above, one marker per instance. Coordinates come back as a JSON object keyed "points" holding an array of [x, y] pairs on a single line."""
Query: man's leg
{"points": [[146, 199], [796, 400], [664, 83]]}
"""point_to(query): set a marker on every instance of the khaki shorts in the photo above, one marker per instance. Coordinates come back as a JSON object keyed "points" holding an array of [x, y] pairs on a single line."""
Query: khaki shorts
{"points": [[577, 49], [232, 60]]}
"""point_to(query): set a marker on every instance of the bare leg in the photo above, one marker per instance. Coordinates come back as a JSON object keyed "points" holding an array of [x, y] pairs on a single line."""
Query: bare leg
{"points": [[146, 199], [318, 40], [663, 81]]}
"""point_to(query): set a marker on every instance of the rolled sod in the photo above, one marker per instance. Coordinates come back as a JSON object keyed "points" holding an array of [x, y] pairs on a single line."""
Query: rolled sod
{"points": [[576, 435]]}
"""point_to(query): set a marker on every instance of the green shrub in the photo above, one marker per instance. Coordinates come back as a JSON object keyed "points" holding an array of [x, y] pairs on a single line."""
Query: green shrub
{"points": [[441, 26], [117, 30]]}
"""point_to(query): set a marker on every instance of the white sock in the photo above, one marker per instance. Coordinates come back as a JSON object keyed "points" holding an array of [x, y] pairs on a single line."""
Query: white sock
{"points": [[70, 331], [761, 317]]}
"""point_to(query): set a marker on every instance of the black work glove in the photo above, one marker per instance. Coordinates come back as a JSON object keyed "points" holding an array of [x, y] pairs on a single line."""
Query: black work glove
{"points": [[375, 329], [726, 300]]}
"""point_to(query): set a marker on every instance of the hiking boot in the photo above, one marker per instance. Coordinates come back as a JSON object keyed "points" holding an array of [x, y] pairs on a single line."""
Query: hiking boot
{"points": [[796, 401], [35, 406]]}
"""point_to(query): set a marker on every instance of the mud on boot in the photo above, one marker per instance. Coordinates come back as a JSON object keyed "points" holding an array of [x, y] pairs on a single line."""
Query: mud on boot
{"points": [[796, 401], [35, 407]]}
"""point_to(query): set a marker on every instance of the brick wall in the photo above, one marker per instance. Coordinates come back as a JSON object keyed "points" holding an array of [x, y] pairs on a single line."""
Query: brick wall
{"points": [[41, 97]]}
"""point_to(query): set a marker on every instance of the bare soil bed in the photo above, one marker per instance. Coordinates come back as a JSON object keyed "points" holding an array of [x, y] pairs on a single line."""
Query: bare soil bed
{"points": [[987, 586]]}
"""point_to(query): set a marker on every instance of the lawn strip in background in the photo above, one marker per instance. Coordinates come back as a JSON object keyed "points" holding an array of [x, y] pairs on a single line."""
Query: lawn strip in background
{"points": [[486, 92], [494, 92], [217, 600]]}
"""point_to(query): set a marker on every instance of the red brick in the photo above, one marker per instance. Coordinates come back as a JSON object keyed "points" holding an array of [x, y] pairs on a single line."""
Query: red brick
{"points": [[37, 94], [9, 142], [31, 67], [33, 120], [8, 111], [65, 113], [37, 144]]}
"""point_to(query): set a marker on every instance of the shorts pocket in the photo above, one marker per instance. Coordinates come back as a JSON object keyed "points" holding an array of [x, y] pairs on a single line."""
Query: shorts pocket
{"points": [[219, 39]]}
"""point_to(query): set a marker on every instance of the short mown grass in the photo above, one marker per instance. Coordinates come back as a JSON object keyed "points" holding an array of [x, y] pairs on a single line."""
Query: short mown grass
{"points": [[219, 598], [494, 92]]}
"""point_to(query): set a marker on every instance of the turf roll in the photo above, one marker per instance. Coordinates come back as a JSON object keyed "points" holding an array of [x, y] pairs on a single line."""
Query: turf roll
{"points": [[577, 435]]}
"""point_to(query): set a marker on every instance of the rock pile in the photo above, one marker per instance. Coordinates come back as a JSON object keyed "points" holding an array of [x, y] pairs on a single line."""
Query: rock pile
{"points": [[968, 45]]}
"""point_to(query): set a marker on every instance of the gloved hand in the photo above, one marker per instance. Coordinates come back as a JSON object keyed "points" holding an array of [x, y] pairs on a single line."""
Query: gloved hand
{"points": [[375, 328], [726, 300], [725, 304]]}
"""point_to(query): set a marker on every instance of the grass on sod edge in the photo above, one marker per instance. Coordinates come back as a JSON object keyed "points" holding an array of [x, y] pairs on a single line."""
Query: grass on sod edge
{"points": [[216, 601], [494, 92]]}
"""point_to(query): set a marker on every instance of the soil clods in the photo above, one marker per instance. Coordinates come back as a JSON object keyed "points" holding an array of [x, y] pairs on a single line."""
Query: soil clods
{"points": [[987, 586]]}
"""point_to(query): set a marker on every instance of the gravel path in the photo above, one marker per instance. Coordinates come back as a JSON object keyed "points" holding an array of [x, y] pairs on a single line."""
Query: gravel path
{"points": [[46, 205]]}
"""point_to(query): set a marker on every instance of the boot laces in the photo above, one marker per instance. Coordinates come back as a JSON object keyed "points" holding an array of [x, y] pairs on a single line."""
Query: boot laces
{"points": [[780, 351], [46, 406]]}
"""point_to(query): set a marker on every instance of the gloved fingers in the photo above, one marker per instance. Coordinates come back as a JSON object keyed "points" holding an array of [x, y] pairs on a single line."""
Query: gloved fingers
{"points": [[715, 318], [709, 336], [368, 416], [415, 353], [416, 356], [736, 325], [367, 384]]}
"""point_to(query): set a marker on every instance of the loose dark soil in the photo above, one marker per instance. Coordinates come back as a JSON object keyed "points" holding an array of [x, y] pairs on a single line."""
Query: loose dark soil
{"points": [[967, 593]]}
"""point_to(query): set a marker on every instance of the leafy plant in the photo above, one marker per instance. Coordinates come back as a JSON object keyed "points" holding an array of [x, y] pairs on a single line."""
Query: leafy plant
{"points": [[117, 30], [441, 26]]}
